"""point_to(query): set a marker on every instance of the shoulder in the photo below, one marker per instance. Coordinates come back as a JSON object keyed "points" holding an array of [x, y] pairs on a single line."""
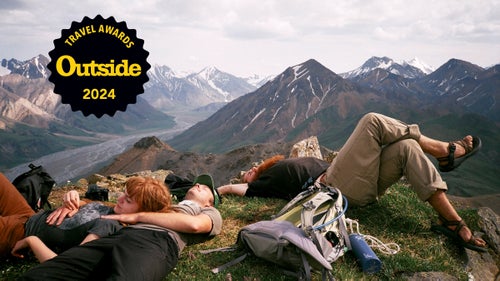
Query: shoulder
{"points": [[216, 218]]}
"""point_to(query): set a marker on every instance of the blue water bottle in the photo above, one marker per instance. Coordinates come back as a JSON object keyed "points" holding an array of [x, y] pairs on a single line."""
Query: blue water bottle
{"points": [[367, 259]]}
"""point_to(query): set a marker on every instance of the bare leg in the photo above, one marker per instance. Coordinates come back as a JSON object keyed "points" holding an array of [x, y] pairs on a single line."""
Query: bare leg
{"points": [[439, 149], [440, 203]]}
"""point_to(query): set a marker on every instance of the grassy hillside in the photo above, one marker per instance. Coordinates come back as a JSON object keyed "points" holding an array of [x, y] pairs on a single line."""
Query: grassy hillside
{"points": [[399, 217]]}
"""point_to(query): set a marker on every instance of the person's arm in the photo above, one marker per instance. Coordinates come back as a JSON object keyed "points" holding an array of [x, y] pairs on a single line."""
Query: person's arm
{"points": [[71, 200], [237, 189], [180, 222], [70, 206], [41, 251]]}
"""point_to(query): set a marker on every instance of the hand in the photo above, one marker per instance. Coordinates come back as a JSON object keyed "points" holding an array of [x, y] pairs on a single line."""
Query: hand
{"points": [[124, 218], [19, 247], [59, 214], [71, 200]]}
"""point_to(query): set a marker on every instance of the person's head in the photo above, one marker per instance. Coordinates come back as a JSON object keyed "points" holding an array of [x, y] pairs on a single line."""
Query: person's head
{"points": [[144, 194], [203, 192], [254, 172]]}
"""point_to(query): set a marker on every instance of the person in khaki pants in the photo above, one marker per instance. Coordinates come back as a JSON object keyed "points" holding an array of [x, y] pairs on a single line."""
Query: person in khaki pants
{"points": [[377, 154]]}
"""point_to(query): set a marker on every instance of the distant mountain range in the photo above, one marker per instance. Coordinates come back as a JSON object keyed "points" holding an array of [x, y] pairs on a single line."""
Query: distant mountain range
{"points": [[407, 69], [305, 99], [310, 100], [32, 116]]}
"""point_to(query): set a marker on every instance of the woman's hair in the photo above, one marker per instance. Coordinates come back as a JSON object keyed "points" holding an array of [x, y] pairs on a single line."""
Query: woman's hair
{"points": [[150, 194], [266, 164]]}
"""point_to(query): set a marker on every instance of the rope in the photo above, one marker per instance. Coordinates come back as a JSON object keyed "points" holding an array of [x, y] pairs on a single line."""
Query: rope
{"points": [[385, 248]]}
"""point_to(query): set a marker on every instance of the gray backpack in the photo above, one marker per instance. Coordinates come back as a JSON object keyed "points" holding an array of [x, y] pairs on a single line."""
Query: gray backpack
{"points": [[309, 233]]}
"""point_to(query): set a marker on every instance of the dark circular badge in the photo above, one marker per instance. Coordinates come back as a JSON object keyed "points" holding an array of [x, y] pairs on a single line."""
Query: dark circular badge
{"points": [[98, 66]]}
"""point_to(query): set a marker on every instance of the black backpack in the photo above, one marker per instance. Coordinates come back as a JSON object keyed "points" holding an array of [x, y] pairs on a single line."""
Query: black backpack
{"points": [[35, 186], [178, 185]]}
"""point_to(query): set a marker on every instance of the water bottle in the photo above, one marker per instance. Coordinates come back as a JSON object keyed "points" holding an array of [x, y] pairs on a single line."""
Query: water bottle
{"points": [[367, 259]]}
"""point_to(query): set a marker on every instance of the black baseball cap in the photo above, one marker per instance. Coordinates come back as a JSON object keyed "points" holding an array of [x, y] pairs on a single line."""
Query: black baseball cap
{"points": [[207, 180]]}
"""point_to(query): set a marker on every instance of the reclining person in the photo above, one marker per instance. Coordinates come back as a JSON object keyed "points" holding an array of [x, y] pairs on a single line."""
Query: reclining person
{"points": [[76, 221], [377, 154], [147, 249]]}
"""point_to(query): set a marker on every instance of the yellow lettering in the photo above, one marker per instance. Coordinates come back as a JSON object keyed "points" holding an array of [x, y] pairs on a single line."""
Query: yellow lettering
{"points": [[96, 69], [79, 34], [109, 29], [135, 70], [59, 65]]}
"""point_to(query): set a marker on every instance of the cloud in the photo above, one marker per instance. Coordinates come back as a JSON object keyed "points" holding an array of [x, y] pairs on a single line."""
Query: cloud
{"points": [[266, 36]]}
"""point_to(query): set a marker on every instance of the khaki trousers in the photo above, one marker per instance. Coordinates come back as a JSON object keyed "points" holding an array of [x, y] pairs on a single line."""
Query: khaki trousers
{"points": [[14, 212], [377, 154]]}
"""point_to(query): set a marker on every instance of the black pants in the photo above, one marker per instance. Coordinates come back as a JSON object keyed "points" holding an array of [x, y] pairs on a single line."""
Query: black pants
{"points": [[129, 254]]}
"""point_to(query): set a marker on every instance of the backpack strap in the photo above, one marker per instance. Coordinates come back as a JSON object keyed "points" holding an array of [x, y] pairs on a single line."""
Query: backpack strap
{"points": [[229, 264], [328, 205], [294, 202], [305, 266], [311, 209]]}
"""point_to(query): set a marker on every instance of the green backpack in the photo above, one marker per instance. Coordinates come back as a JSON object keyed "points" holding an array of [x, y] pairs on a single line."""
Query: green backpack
{"points": [[308, 234]]}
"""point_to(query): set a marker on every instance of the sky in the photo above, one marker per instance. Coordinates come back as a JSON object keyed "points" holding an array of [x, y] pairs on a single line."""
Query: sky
{"points": [[265, 37]]}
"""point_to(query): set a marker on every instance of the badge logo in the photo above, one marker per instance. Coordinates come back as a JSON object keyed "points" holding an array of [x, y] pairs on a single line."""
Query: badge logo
{"points": [[98, 66]]}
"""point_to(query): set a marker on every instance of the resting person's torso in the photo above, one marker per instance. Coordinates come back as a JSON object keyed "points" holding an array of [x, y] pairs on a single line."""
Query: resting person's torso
{"points": [[72, 230], [287, 178], [193, 209]]}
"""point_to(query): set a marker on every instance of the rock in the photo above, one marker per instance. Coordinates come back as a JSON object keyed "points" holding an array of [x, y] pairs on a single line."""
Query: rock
{"points": [[490, 224], [481, 266], [306, 148]]}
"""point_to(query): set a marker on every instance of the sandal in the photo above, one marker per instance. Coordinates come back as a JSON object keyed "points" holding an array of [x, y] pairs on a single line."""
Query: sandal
{"points": [[453, 234], [451, 162]]}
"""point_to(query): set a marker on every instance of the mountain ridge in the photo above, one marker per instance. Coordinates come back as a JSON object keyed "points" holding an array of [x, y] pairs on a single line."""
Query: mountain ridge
{"points": [[309, 99]]}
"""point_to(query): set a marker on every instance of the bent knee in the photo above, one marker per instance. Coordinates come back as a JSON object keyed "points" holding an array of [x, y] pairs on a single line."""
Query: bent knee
{"points": [[408, 144]]}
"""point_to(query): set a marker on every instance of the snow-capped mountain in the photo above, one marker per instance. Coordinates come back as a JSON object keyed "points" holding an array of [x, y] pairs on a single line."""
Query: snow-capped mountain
{"points": [[31, 69], [411, 69], [218, 85], [415, 62], [258, 80], [4, 70], [166, 90]]}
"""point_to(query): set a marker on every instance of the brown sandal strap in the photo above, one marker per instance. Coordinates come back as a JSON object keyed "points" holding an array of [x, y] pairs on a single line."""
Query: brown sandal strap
{"points": [[463, 144], [458, 226], [447, 223], [451, 154]]}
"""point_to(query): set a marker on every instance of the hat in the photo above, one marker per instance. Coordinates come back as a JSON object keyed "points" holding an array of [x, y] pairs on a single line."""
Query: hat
{"points": [[207, 180]]}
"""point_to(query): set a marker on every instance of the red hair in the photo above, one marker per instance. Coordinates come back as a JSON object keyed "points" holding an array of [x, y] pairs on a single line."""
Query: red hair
{"points": [[151, 194], [268, 163]]}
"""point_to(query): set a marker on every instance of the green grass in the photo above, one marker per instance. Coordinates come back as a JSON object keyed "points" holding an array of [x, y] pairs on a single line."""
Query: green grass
{"points": [[398, 217]]}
